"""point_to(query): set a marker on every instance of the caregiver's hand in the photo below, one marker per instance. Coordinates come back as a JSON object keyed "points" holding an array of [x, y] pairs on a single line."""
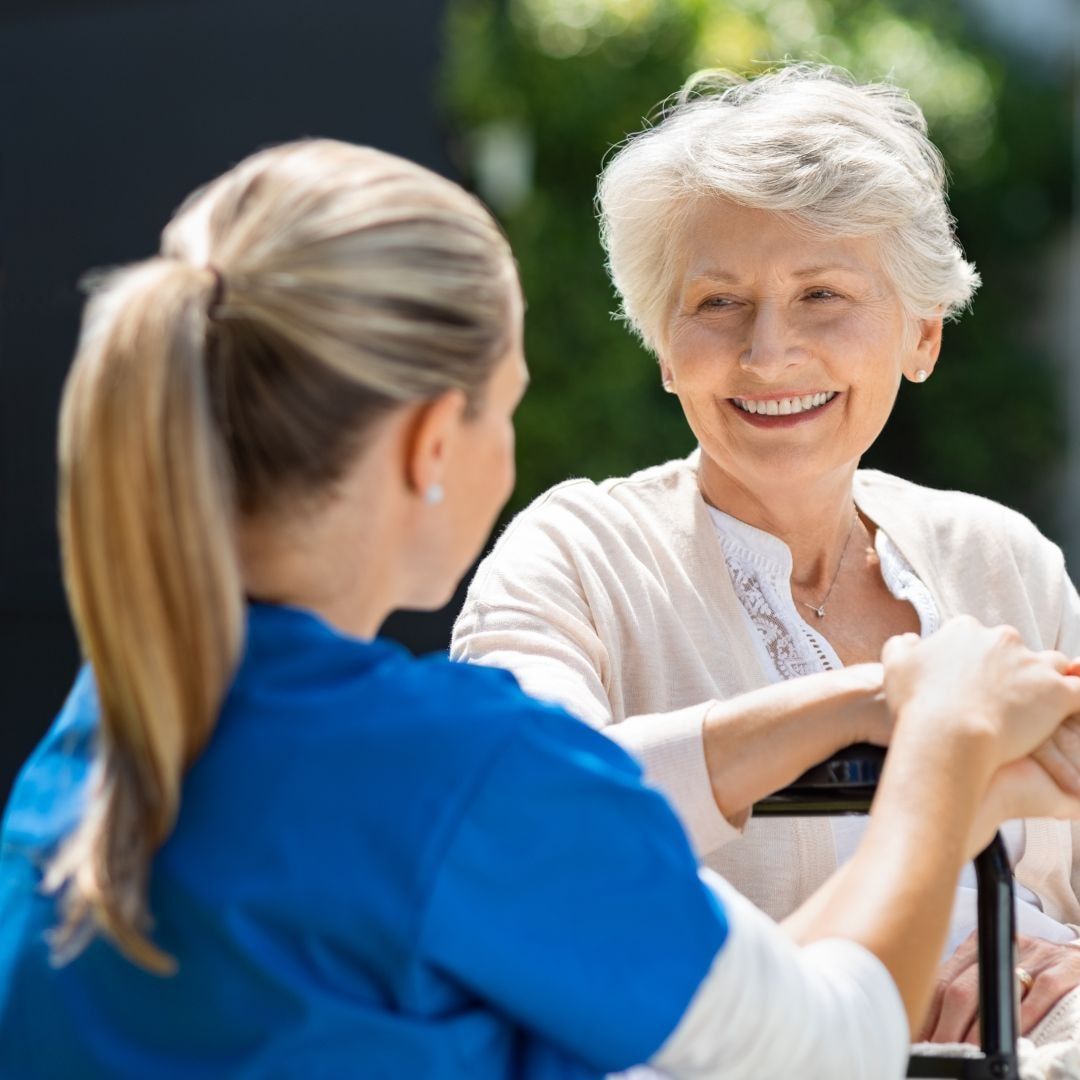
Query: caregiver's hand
{"points": [[1017, 702], [954, 1009]]}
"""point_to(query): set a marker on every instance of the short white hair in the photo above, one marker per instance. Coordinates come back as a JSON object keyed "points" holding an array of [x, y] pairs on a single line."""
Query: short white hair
{"points": [[805, 140]]}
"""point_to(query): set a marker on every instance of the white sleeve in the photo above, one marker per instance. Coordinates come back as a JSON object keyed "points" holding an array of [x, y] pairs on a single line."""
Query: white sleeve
{"points": [[770, 1009]]}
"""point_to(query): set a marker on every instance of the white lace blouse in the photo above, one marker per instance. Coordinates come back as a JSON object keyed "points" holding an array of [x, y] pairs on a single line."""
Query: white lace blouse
{"points": [[760, 569]]}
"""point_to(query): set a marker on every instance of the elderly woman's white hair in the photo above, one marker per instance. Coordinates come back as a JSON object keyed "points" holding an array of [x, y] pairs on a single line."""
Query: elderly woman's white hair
{"points": [[805, 140]]}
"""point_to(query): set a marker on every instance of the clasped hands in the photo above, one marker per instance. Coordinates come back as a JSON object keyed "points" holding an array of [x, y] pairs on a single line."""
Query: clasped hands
{"points": [[1029, 703]]}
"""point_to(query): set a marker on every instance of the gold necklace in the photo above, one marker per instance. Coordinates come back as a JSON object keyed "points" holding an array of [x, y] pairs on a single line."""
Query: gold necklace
{"points": [[819, 609]]}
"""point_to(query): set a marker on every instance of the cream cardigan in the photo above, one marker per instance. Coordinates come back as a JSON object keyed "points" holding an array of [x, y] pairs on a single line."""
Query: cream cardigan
{"points": [[614, 600]]}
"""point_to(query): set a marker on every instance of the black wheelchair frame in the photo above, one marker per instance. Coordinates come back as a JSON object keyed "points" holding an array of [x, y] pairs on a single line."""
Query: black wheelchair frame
{"points": [[845, 784]]}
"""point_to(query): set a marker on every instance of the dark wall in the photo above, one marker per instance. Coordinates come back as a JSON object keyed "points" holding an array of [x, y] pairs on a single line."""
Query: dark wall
{"points": [[110, 113]]}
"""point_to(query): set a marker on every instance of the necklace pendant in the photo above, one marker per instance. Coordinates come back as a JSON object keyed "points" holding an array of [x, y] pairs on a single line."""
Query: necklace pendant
{"points": [[819, 612]]}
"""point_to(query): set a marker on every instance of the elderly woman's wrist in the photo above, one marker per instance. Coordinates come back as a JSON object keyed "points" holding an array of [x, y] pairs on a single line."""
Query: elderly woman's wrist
{"points": [[868, 677], [866, 716]]}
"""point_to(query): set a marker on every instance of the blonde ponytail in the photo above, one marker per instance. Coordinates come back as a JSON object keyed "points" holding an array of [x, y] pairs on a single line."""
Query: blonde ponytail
{"points": [[153, 582]]}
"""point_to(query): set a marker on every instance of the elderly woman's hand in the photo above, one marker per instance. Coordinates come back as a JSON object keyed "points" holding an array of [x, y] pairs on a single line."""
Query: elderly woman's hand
{"points": [[954, 1010], [1054, 969]]}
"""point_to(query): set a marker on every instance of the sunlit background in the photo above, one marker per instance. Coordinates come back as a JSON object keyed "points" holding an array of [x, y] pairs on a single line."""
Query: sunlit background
{"points": [[536, 91]]}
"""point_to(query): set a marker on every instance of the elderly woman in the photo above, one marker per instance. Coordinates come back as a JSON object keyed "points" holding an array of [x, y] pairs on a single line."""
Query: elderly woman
{"points": [[784, 247]]}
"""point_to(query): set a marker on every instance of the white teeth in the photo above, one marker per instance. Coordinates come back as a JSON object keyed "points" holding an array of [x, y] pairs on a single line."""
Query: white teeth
{"points": [[785, 406]]}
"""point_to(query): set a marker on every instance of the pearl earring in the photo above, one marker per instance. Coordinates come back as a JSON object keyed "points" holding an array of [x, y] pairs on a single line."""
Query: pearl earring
{"points": [[669, 386], [434, 495], [922, 375]]}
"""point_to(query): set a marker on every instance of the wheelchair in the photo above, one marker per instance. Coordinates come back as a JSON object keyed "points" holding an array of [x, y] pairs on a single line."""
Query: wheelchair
{"points": [[845, 784]]}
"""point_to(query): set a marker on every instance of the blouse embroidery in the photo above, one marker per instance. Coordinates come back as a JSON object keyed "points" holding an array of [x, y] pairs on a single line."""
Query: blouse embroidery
{"points": [[760, 568], [788, 661]]}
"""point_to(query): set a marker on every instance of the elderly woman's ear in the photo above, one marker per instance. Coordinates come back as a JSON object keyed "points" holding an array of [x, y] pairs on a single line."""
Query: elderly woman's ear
{"points": [[919, 365]]}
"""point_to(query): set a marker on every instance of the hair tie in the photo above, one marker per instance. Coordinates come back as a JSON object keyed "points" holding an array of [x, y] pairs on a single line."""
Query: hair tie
{"points": [[217, 296]]}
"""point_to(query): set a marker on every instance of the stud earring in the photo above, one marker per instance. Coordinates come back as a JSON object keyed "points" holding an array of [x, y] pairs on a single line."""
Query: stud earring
{"points": [[922, 375], [669, 386], [434, 495]]}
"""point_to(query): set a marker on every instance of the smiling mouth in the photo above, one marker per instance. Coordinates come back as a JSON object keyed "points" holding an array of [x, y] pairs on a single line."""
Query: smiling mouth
{"points": [[784, 406]]}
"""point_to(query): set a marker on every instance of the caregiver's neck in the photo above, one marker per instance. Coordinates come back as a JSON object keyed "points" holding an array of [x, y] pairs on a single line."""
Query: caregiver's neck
{"points": [[812, 516]]}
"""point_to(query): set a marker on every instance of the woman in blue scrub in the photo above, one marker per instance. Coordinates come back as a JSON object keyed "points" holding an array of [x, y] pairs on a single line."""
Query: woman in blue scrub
{"points": [[260, 841]]}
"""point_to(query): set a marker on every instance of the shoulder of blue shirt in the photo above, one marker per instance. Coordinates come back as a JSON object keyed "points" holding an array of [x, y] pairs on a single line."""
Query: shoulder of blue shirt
{"points": [[462, 714], [383, 684]]}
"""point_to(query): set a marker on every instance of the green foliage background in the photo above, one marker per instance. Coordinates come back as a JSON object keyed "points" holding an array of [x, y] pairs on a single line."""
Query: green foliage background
{"points": [[553, 84]]}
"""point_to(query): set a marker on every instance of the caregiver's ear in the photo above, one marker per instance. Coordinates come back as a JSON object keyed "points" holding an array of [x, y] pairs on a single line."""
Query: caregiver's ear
{"points": [[432, 438]]}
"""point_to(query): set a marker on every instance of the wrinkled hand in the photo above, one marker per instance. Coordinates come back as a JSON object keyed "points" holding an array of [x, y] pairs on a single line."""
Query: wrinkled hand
{"points": [[1055, 969], [968, 677], [954, 1010]]}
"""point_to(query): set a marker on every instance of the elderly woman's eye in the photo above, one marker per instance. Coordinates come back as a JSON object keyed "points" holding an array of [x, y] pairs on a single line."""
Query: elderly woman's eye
{"points": [[715, 302], [821, 294]]}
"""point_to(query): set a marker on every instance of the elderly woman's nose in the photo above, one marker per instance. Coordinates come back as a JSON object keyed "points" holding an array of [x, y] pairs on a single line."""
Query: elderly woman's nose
{"points": [[771, 344]]}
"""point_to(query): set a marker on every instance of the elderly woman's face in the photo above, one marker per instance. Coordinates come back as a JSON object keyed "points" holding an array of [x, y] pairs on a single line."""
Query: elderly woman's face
{"points": [[786, 350]]}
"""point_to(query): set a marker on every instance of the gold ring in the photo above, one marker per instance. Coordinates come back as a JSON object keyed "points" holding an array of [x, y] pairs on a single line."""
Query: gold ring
{"points": [[1023, 977]]}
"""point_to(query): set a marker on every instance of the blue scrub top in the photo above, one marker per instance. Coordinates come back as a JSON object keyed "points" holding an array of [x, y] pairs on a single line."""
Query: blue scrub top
{"points": [[382, 867]]}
